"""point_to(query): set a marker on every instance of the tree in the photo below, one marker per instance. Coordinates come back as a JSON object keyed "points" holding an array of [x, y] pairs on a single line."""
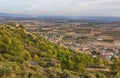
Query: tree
{"points": [[115, 67]]}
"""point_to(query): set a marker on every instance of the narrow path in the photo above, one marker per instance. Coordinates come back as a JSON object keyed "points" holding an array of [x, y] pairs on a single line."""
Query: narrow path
{"points": [[98, 69]]}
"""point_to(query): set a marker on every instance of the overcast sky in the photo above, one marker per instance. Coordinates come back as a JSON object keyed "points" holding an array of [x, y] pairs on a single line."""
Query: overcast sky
{"points": [[62, 7]]}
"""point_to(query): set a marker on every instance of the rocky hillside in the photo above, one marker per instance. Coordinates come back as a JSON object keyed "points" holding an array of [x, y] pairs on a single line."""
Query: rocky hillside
{"points": [[26, 55]]}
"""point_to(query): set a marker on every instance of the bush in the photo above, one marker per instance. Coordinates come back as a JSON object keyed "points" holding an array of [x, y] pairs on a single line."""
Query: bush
{"points": [[118, 75], [115, 67], [1, 58], [6, 69], [100, 75]]}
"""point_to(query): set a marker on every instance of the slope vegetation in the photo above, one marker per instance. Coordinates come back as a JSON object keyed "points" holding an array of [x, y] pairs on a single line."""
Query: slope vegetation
{"points": [[26, 55]]}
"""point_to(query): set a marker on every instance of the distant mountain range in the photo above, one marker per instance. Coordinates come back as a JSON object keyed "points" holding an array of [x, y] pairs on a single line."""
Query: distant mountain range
{"points": [[69, 18], [12, 15]]}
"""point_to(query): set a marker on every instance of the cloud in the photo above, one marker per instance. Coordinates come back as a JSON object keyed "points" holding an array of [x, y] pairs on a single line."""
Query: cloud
{"points": [[64, 7]]}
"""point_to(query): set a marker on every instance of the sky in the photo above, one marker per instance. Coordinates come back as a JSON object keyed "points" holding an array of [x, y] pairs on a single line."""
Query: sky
{"points": [[62, 7]]}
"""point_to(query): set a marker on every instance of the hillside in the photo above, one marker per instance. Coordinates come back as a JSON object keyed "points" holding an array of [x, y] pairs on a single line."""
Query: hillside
{"points": [[26, 55]]}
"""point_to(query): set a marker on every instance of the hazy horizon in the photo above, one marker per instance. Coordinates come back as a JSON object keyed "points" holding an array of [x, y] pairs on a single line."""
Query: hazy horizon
{"points": [[62, 7]]}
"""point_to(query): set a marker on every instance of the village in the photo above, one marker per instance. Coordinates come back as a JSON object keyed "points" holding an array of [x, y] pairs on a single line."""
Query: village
{"points": [[90, 40]]}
